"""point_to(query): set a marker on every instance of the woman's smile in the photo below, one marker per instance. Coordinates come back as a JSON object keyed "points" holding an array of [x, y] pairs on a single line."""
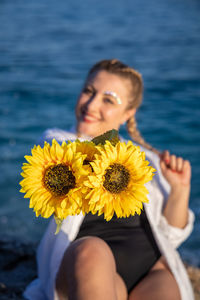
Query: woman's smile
{"points": [[89, 118]]}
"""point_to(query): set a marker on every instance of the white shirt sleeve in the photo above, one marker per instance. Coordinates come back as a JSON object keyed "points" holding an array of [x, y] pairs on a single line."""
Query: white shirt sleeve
{"points": [[159, 196]]}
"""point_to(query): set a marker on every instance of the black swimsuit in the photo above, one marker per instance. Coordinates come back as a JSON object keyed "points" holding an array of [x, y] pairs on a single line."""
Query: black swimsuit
{"points": [[131, 241]]}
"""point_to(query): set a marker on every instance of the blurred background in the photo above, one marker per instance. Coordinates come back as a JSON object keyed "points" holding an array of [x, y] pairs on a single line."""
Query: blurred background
{"points": [[46, 49]]}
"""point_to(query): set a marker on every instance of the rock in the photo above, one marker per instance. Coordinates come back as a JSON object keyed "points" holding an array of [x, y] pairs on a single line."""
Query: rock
{"points": [[194, 275], [18, 269]]}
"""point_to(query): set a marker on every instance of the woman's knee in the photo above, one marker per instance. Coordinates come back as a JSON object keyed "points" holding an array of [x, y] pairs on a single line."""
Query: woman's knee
{"points": [[88, 257], [87, 252]]}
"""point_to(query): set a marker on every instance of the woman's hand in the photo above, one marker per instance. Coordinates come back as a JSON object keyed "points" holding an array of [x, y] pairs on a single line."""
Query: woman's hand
{"points": [[176, 170], [178, 173]]}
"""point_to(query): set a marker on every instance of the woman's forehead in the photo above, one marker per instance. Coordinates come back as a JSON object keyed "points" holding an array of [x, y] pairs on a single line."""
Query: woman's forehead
{"points": [[106, 81]]}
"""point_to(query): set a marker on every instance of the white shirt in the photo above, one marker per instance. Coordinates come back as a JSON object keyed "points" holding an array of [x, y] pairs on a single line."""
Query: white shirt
{"points": [[168, 238]]}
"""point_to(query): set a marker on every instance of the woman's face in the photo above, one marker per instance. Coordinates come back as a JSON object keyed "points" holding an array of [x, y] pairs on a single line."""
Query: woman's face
{"points": [[102, 104]]}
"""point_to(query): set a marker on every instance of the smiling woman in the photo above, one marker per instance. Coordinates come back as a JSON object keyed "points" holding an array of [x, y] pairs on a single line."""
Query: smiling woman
{"points": [[102, 104], [125, 258]]}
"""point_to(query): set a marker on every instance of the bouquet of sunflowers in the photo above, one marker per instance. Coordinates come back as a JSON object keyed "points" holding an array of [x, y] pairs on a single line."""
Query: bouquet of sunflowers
{"points": [[103, 176]]}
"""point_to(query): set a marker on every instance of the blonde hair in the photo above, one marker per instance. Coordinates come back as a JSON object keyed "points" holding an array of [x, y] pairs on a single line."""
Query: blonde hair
{"points": [[115, 66]]}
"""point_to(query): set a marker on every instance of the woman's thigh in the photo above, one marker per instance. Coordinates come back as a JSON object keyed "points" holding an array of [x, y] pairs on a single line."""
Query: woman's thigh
{"points": [[91, 258], [158, 284]]}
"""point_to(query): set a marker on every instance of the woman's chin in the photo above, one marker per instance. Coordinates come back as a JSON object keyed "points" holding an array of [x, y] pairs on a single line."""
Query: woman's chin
{"points": [[84, 129], [91, 129]]}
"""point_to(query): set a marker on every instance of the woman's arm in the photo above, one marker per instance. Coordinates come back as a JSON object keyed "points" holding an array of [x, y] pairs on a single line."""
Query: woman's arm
{"points": [[178, 174]]}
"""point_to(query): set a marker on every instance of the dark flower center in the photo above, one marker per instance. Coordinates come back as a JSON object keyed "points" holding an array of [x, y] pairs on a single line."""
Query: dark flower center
{"points": [[58, 179], [86, 162], [116, 178]]}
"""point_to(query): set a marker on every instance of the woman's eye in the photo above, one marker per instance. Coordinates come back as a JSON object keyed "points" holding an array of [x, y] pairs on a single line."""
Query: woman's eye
{"points": [[87, 90], [107, 100]]}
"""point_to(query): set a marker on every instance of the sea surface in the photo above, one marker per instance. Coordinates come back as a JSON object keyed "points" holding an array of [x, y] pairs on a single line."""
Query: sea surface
{"points": [[46, 49]]}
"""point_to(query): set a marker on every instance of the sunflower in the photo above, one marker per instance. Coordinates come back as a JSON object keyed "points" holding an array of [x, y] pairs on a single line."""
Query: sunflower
{"points": [[117, 182], [53, 179], [89, 149]]}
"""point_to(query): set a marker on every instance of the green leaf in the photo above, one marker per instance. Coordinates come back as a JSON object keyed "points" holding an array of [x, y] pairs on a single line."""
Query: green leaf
{"points": [[111, 135]]}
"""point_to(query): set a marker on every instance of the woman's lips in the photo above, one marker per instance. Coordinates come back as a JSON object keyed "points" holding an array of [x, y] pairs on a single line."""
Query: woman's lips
{"points": [[88, 118]]}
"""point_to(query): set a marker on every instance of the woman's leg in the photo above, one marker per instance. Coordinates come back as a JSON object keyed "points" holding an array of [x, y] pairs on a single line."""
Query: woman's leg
{"points": [[158, 284], [88, 271]]}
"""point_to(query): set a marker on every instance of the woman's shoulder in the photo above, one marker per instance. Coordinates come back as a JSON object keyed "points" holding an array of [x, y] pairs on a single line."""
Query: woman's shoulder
{"points": [[59, 134]]}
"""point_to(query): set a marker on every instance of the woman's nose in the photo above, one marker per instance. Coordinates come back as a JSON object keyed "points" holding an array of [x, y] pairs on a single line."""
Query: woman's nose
{"points": [[93, 102]]}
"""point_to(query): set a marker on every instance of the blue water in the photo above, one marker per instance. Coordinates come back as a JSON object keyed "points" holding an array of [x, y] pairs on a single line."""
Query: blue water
{"points": [[46, 48]]}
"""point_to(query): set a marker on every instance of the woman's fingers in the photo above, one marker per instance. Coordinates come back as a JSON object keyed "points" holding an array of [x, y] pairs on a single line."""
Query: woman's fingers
{"points": [[187, 167], [175, 169], [176, 164], [165, 156], [172, 163], [179, 164]]}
